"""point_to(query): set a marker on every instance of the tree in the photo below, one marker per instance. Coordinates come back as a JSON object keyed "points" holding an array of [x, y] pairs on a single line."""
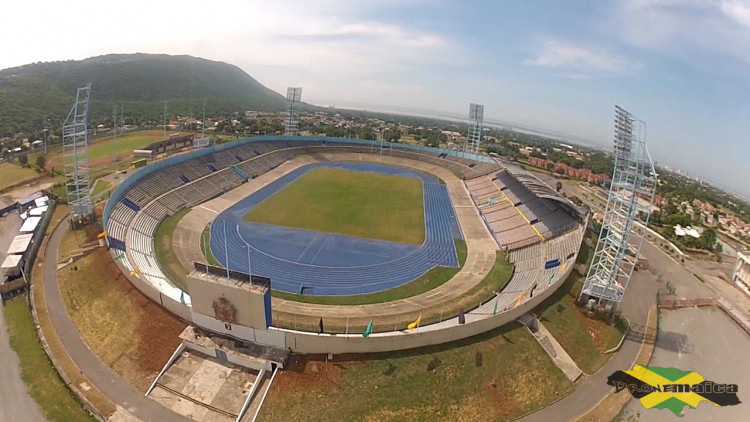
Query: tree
{"points": [[550, 166], [560, 171], [41, 160], [23, 160], [708, 239], [558, 186]]}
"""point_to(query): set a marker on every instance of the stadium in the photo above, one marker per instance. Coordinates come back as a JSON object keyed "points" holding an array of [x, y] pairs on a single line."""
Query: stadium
{"points": [[337, 273]]}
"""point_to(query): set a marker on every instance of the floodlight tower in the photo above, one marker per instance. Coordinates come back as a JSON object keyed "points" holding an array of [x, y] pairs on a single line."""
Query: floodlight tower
{"points": [[293, 97], [474, 137], [75, 157], [626, 216]]}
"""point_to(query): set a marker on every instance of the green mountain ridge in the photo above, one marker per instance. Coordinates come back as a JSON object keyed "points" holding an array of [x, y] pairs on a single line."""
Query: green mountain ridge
{"points": [[139, 82]]}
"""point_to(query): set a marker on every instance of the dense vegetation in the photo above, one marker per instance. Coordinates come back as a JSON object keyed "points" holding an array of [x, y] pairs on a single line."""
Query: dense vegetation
{"points": [[138, 82]]}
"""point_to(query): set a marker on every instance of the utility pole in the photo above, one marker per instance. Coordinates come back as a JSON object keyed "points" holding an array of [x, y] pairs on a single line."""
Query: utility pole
{"points": [[114, 126], [203, 125], [165, 119], [45, 130]]}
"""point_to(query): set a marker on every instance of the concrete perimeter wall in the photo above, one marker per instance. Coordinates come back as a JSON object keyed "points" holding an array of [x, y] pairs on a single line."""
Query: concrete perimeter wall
{"points": [[177, 308], [304, 342]]}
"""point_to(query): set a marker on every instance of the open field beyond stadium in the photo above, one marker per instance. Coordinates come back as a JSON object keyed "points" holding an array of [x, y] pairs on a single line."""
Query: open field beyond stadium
{"points": [[102, 151], [12, 175], [353, 203]]}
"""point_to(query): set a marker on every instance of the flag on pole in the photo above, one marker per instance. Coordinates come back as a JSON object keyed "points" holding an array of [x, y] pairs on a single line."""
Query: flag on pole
{"points": [[120, 256], [461, 316], [416, 323], [368, 330], [182, 297], [320, 325], [494, 311]]}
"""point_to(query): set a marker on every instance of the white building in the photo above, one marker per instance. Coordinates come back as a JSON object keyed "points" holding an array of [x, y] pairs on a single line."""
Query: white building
{"points": [[741, 275]]}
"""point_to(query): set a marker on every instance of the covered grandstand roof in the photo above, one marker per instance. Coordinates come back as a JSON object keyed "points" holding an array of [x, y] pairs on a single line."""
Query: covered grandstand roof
{"points": [[539, 188], [20, 243]]}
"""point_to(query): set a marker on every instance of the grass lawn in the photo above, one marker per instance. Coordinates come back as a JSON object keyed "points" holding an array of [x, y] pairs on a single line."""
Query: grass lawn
{"points": [[102, 150], [494, 376], [585, 339], [165, 255], [206, 249], [428, 281], [54, 399], [354, 203], [97, 296], [13, 174], [100, 186]]}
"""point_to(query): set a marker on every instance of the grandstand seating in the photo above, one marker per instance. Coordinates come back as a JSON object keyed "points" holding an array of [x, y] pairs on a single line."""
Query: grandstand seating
{"points": [[197, 180], [533, 228], [516, 215]]}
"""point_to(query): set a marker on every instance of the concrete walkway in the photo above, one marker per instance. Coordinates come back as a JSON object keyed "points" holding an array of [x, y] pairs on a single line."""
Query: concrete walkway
{"points": [[15, 402], [101, 376], [550, 345], [480, 245]]}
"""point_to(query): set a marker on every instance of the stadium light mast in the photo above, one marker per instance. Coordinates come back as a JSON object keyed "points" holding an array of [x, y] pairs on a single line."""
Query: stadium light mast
{"points": [[203, 125], [474, 137], [165, 119], [45, 132], [626, 216], [75, 158], [114, 126], [293, 97]]}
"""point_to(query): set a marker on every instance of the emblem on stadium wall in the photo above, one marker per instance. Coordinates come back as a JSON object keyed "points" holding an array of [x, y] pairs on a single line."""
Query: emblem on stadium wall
{"points": [[225, 311]]}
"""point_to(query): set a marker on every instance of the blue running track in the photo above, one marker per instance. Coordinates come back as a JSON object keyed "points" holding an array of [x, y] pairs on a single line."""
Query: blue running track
{"points": [[329, 264]]}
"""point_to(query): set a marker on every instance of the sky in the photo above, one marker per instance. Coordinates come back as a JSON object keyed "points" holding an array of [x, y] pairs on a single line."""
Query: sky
{"points": [[682, 66]]}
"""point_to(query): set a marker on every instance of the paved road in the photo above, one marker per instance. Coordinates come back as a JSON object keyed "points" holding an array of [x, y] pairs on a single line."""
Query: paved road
{"points": [[640, 296], [15, 402], [707, 341], [111, 385]]}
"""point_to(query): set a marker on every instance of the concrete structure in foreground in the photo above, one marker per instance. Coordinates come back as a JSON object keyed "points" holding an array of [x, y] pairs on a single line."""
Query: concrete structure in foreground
{"points": [[741, 276], [235, 311]]}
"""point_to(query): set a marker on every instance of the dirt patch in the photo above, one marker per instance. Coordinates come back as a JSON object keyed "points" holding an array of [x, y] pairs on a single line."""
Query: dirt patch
{"points": [[599, 331], [125, 329]]}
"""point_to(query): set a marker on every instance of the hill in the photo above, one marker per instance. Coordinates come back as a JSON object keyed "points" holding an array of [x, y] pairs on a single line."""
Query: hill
{"points": [[139, 82]]}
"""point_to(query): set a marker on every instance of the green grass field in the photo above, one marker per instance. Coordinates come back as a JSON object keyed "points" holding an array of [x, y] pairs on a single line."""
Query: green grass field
{"points": [[13, 174], [206, 249], [102, 150], [574, 330], [493, 376], [56, 402], [165, 255], [369, 205], [100, 186]]}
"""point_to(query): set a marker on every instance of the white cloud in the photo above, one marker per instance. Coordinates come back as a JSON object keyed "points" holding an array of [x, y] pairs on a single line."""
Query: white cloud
{"points": [[563, 54], [737, 10], [695, 31], [328, 46]]}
